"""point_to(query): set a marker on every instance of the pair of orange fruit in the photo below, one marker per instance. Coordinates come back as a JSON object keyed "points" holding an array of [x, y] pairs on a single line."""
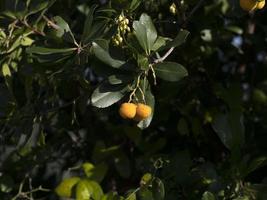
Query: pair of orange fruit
{"points": [[138, 112], [250, 5]]}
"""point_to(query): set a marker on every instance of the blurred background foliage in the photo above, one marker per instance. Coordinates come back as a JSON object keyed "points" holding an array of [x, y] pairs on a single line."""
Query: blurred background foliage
{"points": [[207, 139]]}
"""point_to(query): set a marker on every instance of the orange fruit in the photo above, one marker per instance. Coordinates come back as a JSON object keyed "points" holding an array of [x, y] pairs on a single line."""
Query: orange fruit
{"points": [[142, 112], [127, 110], [261, 4], [248, 5]]}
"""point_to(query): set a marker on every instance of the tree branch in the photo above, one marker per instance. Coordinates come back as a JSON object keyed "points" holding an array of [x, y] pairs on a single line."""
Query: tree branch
{"points": [[161, 59]]}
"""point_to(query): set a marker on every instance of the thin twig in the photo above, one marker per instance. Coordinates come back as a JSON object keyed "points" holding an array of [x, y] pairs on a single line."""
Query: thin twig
{"points": [[161, 59], [134, 192], [51, 23], [134, 90], [25, 23]]}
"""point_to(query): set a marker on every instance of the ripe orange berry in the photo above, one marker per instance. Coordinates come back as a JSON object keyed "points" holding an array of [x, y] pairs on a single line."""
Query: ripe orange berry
{"points": [[142, 112], [248, 5], [127, 110], [261, 4]]}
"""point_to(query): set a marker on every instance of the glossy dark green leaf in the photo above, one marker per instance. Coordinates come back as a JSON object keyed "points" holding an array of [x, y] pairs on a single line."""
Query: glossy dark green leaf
{"points": [[48, 51], [37, 8], [9, 14], [170, 71], [105, 95], [88, 23], [97, 31], [105, 57], [134, 4], [119, 79], [230, 129], [177, 41], [62, 29], [149, 100], [161, 41], [145, 32]]}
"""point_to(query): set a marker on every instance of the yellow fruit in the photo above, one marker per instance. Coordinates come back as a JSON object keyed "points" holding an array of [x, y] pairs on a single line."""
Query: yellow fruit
{"points": [[127, 110], [261, 4], [64, 189], [248, 5], [142, 112]]}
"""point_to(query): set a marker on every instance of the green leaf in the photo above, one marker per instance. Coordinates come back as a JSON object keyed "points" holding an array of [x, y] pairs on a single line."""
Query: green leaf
{"points": [[230, 129], [257, 163], [105, 95], [158, 189], [97, 190], [46, 55], [105, 57], [131, 195], [235, 29], [112, 196], [143, 62], [177, 41], [87, 190], [149, 100], [14, 45], [48, 51], [208, 196], [7, 75], [9, 14], [37, 8], [116, 79], [26, 41], [145, 194], [145, 32], [259, 191], [170, 71], [242, 198], [97, 31], [88, 23], [134, 4], [64, 189], [122, 164], [84, 190], [161, 41], [6, 183], [97, 172], [63, 30], [5, 70], [182, 127]]}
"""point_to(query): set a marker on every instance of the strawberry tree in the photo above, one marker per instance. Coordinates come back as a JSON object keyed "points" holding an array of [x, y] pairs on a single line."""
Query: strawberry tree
{"points": [[133, 100]]}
